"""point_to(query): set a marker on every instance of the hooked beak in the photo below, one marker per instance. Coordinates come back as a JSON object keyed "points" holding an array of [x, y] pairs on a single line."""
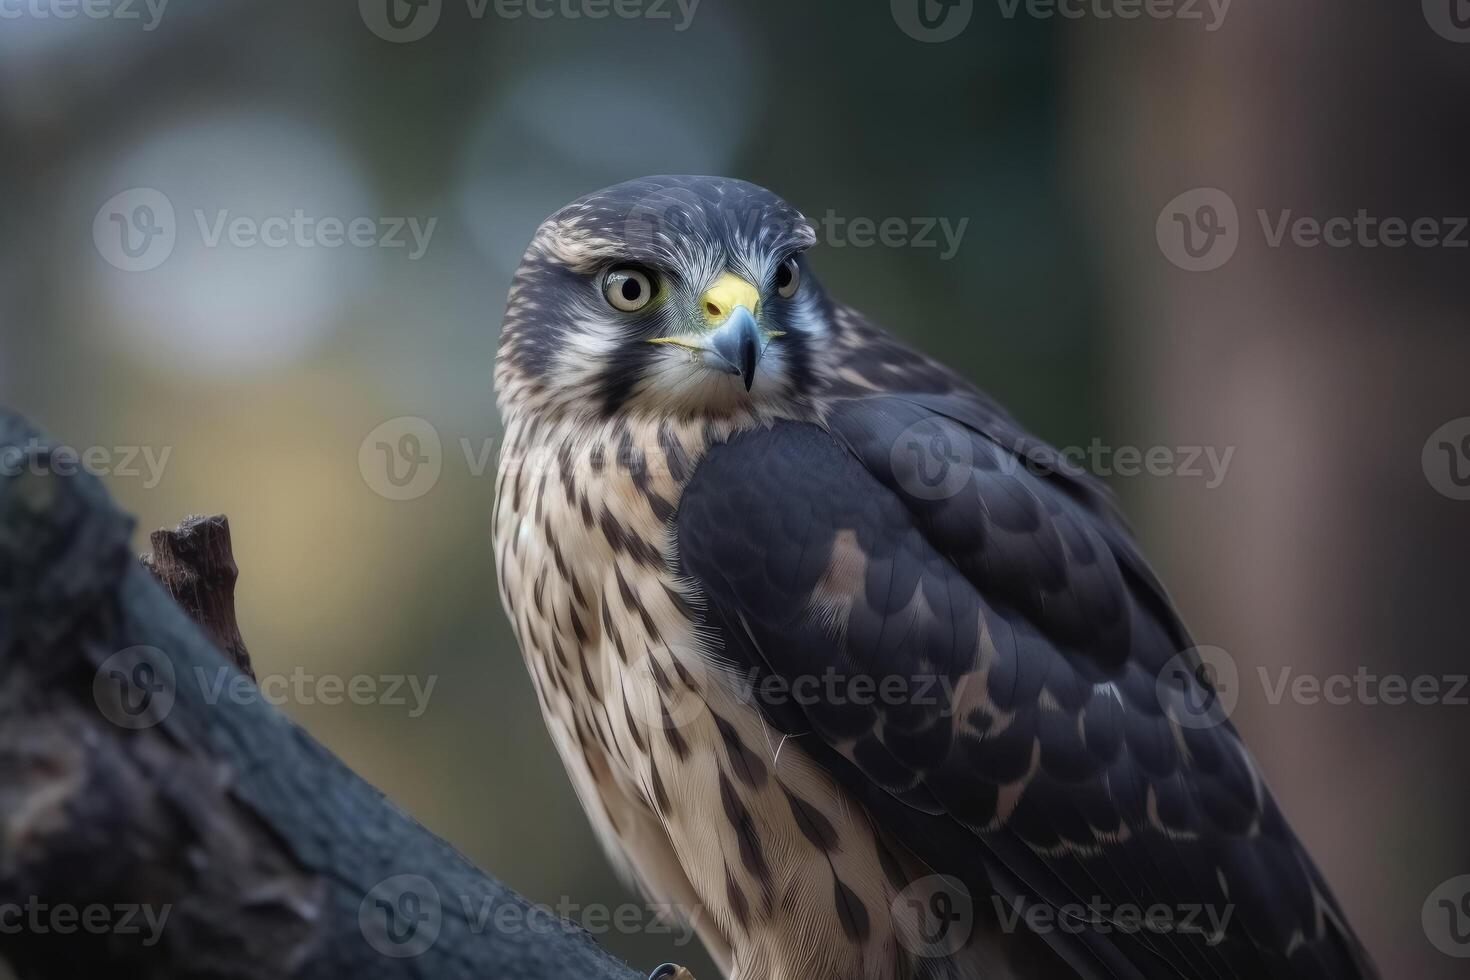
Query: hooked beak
{"points": [[734, 341], [738, 345]]}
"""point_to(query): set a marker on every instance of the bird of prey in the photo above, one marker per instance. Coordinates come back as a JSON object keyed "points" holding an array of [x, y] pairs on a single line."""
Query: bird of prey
{"points": [[845, 666]]}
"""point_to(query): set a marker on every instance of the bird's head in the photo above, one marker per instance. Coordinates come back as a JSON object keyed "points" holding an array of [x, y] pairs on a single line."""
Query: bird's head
{"points": [[678, 295]]}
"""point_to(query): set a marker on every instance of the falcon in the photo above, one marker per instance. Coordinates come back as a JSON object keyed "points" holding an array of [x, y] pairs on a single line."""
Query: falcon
{"points": [[847, 669]]}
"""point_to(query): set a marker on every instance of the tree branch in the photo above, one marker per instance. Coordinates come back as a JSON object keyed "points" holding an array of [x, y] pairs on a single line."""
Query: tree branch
{"points": [[148, 829], [196, 565]]}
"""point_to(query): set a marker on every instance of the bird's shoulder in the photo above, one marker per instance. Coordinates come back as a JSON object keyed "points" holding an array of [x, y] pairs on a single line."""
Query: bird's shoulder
{"points": [[1014, 686]]}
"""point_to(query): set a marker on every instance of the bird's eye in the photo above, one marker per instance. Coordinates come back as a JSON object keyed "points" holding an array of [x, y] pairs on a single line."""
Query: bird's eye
{"points": [[788, 279], [628, 289]]}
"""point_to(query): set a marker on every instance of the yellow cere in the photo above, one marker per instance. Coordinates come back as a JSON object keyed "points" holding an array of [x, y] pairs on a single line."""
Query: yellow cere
{"points": [[728, 292]]}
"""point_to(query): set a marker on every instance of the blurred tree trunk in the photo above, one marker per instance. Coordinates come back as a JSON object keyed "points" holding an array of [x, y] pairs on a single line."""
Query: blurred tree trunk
{"points": [[1326, 549]]}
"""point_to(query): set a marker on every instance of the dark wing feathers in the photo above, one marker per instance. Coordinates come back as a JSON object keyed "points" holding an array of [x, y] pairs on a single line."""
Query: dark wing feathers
{"points": [[1042, 766]]}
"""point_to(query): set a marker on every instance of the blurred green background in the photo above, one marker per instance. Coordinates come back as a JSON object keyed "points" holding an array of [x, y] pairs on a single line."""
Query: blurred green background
{"points": [[261, 371]]}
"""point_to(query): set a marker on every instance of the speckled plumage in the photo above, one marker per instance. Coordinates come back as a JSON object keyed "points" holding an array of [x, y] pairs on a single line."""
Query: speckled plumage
{"points": [[673, 549]]}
